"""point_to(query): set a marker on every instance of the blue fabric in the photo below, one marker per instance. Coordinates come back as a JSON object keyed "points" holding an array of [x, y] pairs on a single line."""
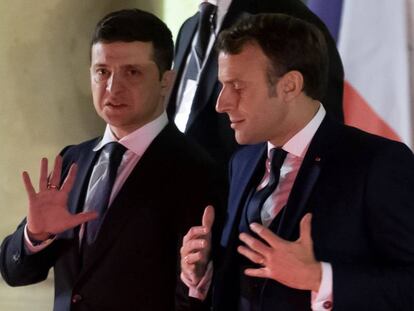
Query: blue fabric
{"points": [[330, 13]]}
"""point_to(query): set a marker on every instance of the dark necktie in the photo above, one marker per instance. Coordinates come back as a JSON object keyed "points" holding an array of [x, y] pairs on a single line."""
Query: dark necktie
{"points": [[198, 51], [99, 199], [259, 197], [204, 29]]}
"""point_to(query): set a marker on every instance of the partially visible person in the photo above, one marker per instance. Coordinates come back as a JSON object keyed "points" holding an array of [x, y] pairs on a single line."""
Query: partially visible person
{"points": [[196, 87], [110, 216], [319, 214]]}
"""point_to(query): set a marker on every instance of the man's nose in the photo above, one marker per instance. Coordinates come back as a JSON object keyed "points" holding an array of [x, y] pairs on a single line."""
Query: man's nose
{"points": [[225, 101], [114, 83]]}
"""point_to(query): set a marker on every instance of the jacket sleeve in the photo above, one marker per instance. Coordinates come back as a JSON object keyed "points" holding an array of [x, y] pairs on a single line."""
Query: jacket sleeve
{"points": [[20, 268]]}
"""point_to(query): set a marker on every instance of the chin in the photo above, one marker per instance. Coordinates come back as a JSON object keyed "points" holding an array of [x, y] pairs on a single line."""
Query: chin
{"points": [[242, 140], [247, 140]]}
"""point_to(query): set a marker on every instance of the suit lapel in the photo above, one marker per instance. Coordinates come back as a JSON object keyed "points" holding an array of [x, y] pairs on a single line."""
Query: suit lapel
{"points": [[241, 182], [85, 164], [185, 40], [180, 59], [136, 193], [301, 190], [297, 205]]}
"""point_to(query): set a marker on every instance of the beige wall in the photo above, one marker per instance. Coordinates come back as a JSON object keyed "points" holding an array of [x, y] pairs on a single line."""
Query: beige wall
{"points": [[174, 15]]}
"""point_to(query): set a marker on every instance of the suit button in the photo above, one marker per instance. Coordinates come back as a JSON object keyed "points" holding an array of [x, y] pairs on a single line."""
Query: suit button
{"points": [[327, 305], [16, 257], [76, 298]]}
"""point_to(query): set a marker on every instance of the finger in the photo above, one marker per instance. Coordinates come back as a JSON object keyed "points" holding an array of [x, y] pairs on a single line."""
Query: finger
{"points": [[31, 192], [186, 267], [70, 179], [194, 233], [192, 259], [267, 235], [254, 244], [305, 229], [251, 255], [208, 217], [54, 178], [80, 218], [43, 175], [193, 246], [258, 273]]}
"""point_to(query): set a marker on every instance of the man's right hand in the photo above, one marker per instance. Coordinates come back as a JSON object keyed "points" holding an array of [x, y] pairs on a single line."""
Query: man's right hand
{"points": [[195, 251], [48, 212]]}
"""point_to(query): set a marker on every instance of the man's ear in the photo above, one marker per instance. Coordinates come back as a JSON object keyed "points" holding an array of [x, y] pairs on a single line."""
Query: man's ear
{"points": [[167, 80], [290, 85]]}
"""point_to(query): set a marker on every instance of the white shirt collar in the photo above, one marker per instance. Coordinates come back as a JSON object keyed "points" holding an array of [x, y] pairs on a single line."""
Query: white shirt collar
{"points": [[139, 140], [299, 143]]}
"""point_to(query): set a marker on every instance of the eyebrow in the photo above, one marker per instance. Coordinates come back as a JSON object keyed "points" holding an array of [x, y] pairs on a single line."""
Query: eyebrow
{"points": [[122, 66]]}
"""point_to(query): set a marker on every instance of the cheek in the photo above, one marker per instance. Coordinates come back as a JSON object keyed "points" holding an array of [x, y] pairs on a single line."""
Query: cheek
{"points": [[97, 90]]}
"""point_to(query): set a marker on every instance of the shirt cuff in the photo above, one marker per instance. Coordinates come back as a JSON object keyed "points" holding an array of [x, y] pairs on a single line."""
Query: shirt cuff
{"points": [[322, 300], [201, 289], [33, 249]]}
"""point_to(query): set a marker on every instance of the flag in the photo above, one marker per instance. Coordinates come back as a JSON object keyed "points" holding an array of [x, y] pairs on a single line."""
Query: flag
{"points": [[373, 41]]}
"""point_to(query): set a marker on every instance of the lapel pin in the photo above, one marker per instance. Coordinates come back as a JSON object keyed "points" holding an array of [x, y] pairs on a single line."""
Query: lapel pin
{"points": [[317, 159]]}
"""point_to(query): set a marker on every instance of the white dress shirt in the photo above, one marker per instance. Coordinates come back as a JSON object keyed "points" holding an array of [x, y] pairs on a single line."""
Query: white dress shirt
{"points": [[136, 143]]}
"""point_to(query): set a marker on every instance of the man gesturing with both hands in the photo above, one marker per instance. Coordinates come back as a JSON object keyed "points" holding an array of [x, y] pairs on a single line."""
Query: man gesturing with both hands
{"points": [[335, 230]]}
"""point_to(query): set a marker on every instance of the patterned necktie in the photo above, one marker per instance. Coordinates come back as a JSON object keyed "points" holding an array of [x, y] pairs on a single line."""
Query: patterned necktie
{"points": [[259, 197], [204, 29], [98, 199], [198, 52]]}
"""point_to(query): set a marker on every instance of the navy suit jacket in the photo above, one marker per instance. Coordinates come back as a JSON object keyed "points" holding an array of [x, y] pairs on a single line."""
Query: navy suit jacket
{"points": [[360, 190], [211, 129], [134, 263]]}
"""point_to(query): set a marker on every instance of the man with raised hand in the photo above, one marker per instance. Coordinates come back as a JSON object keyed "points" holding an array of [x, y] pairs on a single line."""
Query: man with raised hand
{"points": [[112, 229]]}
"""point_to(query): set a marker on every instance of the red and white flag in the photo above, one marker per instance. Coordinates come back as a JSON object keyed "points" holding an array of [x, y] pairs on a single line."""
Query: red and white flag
{"points": [[373, 41]]}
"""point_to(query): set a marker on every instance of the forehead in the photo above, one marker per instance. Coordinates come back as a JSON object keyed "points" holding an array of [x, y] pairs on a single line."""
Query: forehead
{"points": [[247, 64], [118, 53]]}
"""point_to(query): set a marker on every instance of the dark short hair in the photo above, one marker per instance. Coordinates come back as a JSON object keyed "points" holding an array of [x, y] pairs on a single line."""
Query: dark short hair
{"points": [[136, 25], [288, 42]]}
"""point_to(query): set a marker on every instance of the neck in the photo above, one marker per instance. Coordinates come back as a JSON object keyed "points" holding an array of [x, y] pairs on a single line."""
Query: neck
{"points": [[297, 119]]}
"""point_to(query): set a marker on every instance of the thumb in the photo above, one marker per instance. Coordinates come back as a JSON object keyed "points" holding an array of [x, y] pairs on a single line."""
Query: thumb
{"points": [[208, 217], [305, 229]]}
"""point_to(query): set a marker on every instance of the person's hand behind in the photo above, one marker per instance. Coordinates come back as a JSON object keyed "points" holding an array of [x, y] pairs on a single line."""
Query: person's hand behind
{"points": [[48, 212], [195, 251]]}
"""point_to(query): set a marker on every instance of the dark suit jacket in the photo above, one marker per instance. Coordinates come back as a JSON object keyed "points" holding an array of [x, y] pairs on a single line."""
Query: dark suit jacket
{"points": [[360, 190], [134, 261], [211, 129]]}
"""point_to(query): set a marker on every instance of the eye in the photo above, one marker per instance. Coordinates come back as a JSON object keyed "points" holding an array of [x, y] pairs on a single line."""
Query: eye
{"points": [[237, 86], [101, 74], [133, 72]]}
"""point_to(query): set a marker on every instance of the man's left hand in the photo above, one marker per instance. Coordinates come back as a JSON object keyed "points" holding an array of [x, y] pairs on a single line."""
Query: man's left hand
{"points": [[290, 263]]}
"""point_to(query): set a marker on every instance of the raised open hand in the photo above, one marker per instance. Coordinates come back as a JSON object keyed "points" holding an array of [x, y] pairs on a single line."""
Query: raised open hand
{"points": [[48, 212], [290, 263]]}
